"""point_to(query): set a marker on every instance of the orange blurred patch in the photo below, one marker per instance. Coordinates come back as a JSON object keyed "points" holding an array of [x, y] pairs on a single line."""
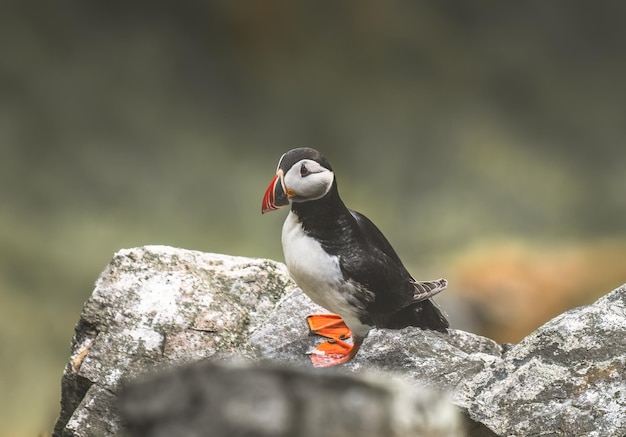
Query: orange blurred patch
{"points": [[513, 288]]}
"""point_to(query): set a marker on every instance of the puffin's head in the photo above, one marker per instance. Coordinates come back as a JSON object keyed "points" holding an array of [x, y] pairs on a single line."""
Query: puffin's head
{"points": [[303, 174]]}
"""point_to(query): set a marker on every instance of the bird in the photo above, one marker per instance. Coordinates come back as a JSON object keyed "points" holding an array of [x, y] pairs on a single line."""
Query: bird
{"points": [[343, 262]]}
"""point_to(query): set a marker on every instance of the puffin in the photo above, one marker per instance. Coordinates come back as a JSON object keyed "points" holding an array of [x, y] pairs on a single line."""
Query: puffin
{"points": [[343, 262]]}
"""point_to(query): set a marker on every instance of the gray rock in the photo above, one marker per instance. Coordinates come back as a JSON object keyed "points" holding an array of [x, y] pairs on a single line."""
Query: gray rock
{"points": [[566, 378], [279, 401], [153, 307], [430, 358], [157, 307]]}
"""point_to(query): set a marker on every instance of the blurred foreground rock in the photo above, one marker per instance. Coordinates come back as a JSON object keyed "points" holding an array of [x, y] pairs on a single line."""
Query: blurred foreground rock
{"points": [[158, 307], [229, 400]]}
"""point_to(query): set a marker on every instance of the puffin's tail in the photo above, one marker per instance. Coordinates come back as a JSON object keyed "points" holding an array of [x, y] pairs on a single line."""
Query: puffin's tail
{"points": [[425, 314], [422, 312]]}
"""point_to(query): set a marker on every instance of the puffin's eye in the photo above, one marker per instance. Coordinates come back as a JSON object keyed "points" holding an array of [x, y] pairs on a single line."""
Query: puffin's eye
{"points": [[304, 171]]}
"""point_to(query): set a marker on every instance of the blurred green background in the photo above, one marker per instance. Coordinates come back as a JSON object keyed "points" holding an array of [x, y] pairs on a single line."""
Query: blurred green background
{"points": [[486, 139]]}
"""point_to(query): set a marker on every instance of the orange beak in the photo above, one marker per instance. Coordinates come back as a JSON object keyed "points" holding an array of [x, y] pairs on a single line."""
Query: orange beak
{"points": [[275, 196]]}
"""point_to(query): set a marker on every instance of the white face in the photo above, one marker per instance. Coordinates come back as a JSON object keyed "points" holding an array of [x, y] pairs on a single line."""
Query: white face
{"points": [[307, 180]]}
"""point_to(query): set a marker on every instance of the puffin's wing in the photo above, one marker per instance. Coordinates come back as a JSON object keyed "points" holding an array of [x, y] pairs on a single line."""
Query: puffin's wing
{"points": [[423, 289], [374, 264], [376, 238], [427, 289]]}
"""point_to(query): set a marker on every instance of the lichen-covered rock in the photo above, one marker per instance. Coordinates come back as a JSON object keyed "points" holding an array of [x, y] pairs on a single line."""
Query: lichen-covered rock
{"points": [[157, 306], [566, 378]]}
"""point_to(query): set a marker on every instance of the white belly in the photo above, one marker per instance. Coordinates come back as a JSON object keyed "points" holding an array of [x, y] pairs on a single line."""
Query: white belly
{"points": [[318, 274]]}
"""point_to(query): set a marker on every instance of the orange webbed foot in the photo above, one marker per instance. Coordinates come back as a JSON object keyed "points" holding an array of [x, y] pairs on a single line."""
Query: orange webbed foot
{"points": [[334, 352], [331, 353], [329, 326]]}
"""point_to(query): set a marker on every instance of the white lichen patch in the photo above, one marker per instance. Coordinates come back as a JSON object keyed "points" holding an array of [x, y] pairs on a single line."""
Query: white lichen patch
{"points": [[158, 301], [112, 378], [148, 338]]}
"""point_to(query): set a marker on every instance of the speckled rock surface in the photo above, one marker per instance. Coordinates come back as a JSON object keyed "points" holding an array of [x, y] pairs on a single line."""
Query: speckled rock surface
{"points": [[157, 307], [567, 378], [153, 307]]}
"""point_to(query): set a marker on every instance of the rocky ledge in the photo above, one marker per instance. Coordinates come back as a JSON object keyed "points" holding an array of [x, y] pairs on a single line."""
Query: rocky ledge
{"points": [[138, 363]]}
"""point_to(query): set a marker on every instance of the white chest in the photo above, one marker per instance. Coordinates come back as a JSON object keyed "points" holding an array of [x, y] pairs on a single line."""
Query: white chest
{"points": [[316, 272], [308, 263]]}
